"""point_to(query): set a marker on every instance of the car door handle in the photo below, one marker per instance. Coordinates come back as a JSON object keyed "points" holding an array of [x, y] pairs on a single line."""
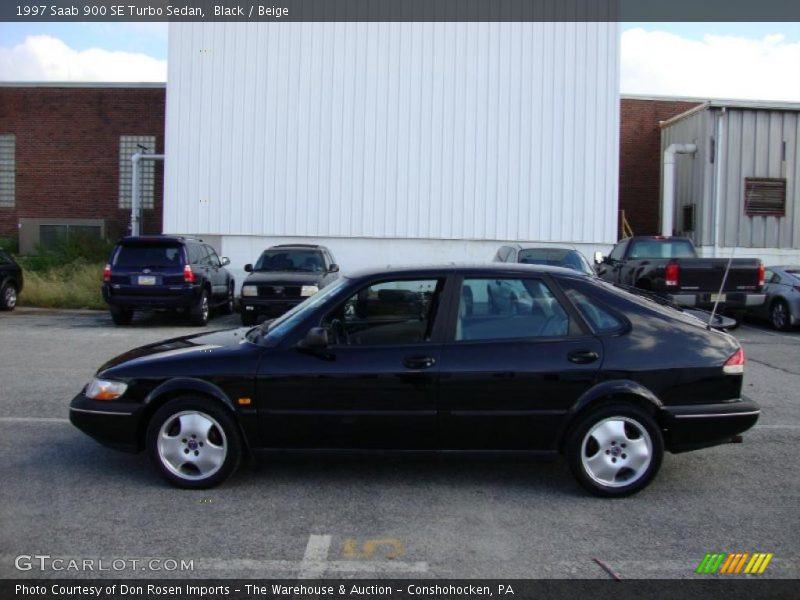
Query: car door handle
{"points": [[583, 357], [419, 362]]}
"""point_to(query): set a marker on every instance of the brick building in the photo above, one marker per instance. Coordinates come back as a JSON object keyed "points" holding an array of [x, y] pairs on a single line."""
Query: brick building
{"points": [[65, 158], [640, 156]]}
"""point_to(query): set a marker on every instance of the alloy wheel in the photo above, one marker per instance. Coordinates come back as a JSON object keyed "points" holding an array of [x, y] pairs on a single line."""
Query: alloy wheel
{"points": [[192, 445], [616, 451], [10, 297], [779, 315]]}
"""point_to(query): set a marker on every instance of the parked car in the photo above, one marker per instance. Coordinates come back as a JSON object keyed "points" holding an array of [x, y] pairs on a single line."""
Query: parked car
{"points": [[782, 306], [554, 256], [11, 281], [669, 267], [283, 277], [398, 359], [166, 272]]}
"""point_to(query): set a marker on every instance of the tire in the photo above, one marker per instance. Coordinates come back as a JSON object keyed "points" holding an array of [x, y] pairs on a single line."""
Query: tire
{"points": [[200, 312], [121, 316], [194, 442], [599, 450], [226, 308], [779, 315], [249, 319], [8, 296]]}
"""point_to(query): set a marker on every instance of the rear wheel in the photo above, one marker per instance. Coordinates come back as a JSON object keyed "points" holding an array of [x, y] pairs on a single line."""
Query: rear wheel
{"points": [[615, 450], [201, 310], [194, 442], [779, 316], [249, 319], [121, 316], [8, 296]]}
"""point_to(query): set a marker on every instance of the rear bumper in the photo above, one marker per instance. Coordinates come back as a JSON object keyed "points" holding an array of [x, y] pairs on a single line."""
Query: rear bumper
{"points": [[271, 308], [113, 424], [704, 299], [703, 425], [168, 297]]}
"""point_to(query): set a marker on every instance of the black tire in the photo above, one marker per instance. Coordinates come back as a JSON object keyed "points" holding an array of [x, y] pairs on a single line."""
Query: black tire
{"points": [[638, 431], [121, 316], [226, 308], [218, 450], [780, 316], [249, 319], [8, 296], [199, 313]]}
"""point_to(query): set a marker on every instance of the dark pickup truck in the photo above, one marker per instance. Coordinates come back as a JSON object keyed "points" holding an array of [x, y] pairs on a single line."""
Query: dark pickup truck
{"points": [[669, 267]]}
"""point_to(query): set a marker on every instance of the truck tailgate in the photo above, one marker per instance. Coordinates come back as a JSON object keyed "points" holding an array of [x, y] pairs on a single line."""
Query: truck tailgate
{"points": [[706, 274]]}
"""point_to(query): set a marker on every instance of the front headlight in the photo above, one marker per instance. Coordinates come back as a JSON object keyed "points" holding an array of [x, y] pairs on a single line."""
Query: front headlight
{"points": [[103, 389], [309, 290], [249, 290]]}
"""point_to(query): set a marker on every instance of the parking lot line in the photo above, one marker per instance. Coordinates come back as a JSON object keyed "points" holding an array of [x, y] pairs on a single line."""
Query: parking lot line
{"points": [[33, 420]]}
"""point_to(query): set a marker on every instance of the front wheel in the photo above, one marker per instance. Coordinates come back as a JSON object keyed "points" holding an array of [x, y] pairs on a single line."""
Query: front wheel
{"points": [[779, 316], [8, 297], [227, 307], [615, 450], [200, 311], [194, 442]]}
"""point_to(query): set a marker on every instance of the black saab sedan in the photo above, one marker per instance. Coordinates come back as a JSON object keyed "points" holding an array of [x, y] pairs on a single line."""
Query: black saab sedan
{"points": [[416, 359]]}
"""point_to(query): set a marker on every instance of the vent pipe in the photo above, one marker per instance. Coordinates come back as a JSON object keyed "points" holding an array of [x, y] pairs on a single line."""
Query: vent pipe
{"points": [[668, 195]]}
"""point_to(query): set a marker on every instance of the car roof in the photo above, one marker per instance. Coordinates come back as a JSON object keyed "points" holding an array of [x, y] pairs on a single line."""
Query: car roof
{"points": [[466, 269], [159, 238], [548, 247], [298, 247]]}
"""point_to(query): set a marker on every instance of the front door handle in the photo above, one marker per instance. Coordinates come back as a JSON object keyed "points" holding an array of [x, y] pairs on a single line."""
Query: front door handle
{"points": [[419, 362], [583, 357]]}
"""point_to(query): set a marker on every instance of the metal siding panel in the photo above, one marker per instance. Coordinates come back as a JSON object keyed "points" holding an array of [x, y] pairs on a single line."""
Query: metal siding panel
{"points": [[792, 186], [434, 130], [730, 200]]}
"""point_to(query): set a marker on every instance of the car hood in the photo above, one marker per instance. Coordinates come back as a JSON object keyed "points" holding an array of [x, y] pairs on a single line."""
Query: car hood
{"points": [[184, 347], [283, 278]]}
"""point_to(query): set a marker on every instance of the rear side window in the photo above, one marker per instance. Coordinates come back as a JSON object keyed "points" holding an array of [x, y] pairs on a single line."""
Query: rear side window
{"points": [[599, 317], [661, 249], [498, 309], [149, 256]]}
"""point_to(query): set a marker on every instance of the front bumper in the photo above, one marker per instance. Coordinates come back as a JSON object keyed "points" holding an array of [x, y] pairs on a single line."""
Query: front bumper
{"points": [[689, 427], [113, 424], [271, 308], [706, 299]]}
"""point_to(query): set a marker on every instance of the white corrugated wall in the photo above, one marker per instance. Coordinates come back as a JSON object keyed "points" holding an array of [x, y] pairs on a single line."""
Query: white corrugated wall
{"points": [[437, 131]]}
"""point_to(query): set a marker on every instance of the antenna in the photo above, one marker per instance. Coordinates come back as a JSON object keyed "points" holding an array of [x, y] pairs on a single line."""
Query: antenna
{"points": [[721, 287]]}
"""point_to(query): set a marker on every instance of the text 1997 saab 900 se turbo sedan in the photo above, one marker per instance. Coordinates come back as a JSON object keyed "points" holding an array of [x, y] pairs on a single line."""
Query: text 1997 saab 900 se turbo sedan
{"points": [[414, 359]]}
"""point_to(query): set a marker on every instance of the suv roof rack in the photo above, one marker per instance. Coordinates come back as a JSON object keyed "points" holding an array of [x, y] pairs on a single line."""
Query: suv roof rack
{"points": [[298, 246]]}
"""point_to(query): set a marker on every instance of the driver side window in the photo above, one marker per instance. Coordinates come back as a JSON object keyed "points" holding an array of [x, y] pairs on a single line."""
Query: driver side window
{"points": [[386, 313]]}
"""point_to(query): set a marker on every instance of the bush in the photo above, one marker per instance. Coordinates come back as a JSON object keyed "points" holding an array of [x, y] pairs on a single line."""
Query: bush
{"points": [[74, 285], [9, 244], [68, 250]]}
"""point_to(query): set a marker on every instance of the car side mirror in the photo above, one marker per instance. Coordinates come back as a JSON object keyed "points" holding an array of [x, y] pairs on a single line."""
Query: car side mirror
{"points": [[599, 259], [316, 339], [248, 268], [224, 261], [334, 268]]}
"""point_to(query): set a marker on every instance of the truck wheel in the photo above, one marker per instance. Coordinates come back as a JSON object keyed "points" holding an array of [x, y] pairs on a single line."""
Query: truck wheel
{"points": [[8, 296], [121, 316], [249, 319], [615, 450], [200, 311], [779, 315]]}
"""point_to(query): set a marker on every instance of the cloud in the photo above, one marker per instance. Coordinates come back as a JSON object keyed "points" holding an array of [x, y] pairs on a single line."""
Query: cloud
{"points": [[46, 58], [718, 66]]}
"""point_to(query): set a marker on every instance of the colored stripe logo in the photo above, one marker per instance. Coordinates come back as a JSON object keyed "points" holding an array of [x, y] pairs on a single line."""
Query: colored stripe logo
{"points": [[734, 563]]}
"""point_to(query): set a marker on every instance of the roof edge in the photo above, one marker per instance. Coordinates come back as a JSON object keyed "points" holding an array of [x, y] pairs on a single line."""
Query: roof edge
{"points": [[83, 84]]}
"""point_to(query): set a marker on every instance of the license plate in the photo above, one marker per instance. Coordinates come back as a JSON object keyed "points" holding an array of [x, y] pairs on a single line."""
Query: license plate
{"points": [[147, 280], [718, 297]]}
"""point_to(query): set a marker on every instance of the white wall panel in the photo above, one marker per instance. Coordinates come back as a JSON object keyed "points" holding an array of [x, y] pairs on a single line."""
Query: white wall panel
{"points": [[481, 131]]}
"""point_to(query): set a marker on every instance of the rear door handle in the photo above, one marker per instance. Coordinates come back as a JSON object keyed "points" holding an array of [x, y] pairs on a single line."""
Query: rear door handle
{"points": [[419, 362], [583, 357]]}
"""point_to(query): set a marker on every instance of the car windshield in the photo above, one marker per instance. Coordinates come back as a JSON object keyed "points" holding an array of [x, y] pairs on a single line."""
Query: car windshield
{"points": [[309, 261], [554, 257], [275, 329], [661, 249], [150, 255]]}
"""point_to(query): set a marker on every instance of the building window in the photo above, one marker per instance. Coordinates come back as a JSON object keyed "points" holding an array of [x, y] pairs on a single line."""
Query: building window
{"points": [[8, 143], [688, 217], [764, 197], [128, 146], [49, 235]]}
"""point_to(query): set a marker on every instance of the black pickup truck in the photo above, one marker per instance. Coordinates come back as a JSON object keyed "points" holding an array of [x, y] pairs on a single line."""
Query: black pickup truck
{"points": [[669, 267]]}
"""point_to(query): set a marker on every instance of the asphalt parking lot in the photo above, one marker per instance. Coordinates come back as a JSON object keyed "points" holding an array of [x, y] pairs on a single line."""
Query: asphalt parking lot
{"points": [[65, 496]]}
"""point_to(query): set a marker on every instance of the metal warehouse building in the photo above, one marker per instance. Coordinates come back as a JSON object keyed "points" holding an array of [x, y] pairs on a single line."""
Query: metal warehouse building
{"points": [[392, 142], [730, 181]]}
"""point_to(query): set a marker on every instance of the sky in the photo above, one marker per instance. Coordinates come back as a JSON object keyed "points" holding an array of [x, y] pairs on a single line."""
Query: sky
{"points": [[757, 61]]}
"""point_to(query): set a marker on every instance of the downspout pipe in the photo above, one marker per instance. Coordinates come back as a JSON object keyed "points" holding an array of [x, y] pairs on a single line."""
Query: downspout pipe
{"points": [[668, 191], [136, 211], [719, 145]]}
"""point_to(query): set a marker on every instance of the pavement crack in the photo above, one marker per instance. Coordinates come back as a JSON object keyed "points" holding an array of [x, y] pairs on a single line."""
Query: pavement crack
{"points": [[766, 364]]}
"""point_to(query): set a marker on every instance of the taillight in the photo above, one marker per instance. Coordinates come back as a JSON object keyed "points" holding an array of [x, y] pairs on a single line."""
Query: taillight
{"points": [[671, 274], [760, 274], [735, 364], [107, 273], [188, 274]]}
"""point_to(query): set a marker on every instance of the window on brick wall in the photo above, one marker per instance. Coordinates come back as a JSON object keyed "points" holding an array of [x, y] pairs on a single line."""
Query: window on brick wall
{"points": [[128, 146], [764, 196], [8, 168]]}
